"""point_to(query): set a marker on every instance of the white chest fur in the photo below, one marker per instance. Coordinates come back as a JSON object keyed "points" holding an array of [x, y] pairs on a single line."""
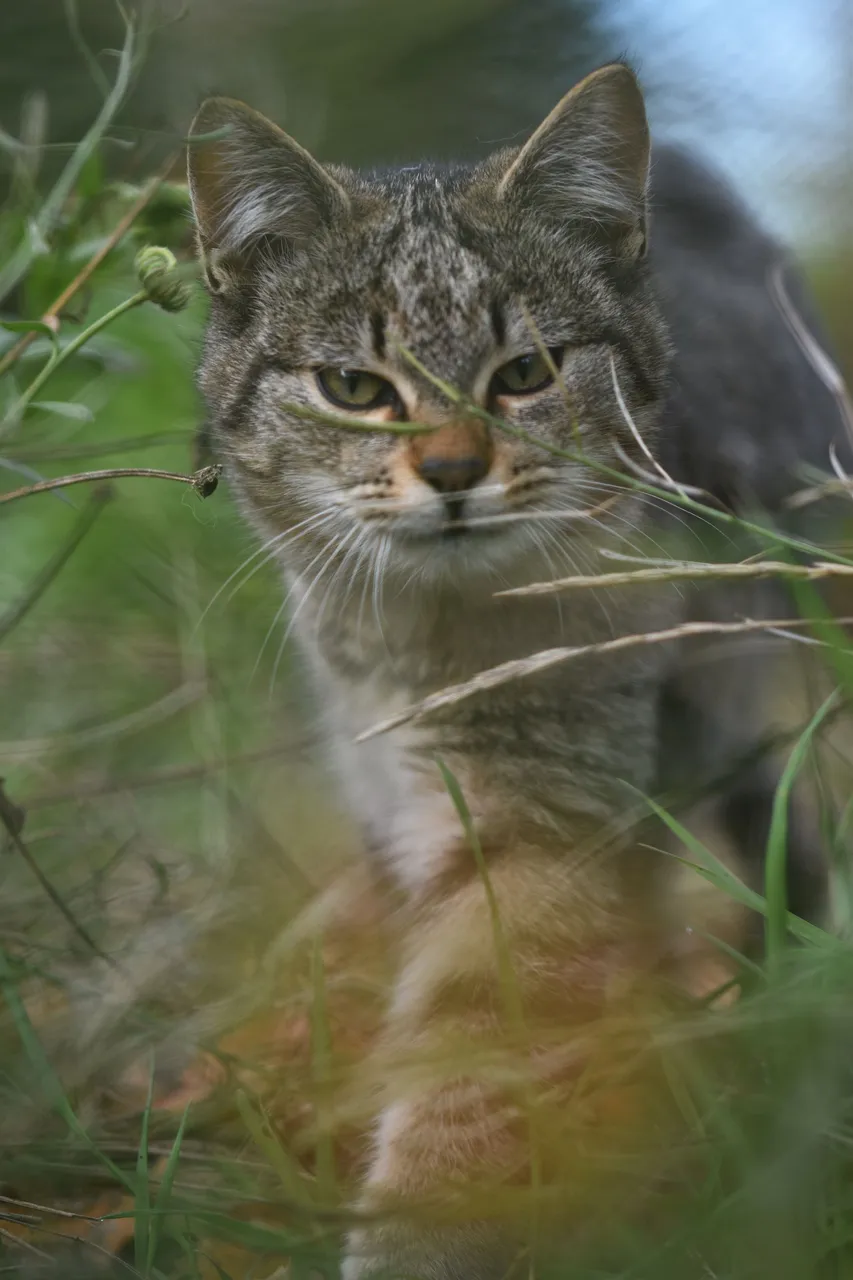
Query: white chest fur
{"points": [[392, 784]]}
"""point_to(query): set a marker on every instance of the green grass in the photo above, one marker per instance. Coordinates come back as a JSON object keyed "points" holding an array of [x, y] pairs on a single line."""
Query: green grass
{"points": [[175, 808]]}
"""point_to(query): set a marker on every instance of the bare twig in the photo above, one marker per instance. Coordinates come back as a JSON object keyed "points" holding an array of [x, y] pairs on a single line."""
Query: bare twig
{"points": [[49, 1209], [683, 571], [803, 497], [134, 722], [115, 1259], [10, 817], [14, 614], [25, 1245], [52, 315], [840, 473], [99, 448], [168, 775], [203, 481], [521, 668]]}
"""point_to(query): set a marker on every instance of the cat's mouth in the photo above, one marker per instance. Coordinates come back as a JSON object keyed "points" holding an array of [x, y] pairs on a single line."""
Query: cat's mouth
{"points": [[455, 524]]}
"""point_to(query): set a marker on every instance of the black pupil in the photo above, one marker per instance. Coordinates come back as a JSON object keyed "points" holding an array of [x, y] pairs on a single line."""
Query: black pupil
{"points": [[523, 366], [351, 379]]}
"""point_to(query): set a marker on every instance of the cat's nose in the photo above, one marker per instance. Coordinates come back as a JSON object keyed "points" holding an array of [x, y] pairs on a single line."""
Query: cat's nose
{"points": [[453, 475], [454, 457]]}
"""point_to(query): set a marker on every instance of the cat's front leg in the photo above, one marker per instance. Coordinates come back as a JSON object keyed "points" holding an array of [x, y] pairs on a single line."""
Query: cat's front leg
{"points": [[487, 1036]]}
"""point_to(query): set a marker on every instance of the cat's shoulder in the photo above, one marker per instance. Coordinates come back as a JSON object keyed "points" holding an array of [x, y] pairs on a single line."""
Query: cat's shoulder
{"points": [[695, 207]]}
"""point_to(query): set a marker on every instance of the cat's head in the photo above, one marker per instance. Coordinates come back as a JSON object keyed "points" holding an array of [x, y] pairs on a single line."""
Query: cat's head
{"points": [[519, 283]]}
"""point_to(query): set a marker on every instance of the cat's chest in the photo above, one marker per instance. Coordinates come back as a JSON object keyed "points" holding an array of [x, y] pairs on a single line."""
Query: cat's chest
{"points": [[393, 785]]}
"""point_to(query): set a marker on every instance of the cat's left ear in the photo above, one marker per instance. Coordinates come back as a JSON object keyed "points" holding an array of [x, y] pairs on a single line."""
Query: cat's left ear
{"points": [[588, 163], [251, 184]]}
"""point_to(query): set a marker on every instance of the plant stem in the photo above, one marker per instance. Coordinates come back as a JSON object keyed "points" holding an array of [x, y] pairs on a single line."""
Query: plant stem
{"points": [[19, 264], [59, 357], [203, 481], [119, 230]]}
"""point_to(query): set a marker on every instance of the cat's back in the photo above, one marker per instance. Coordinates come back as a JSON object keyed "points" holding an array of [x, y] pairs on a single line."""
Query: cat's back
{"points": [[746, 407]]}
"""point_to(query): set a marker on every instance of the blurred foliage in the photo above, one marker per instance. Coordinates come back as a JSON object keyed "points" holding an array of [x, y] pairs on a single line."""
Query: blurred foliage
{"points": [[159, 747]]}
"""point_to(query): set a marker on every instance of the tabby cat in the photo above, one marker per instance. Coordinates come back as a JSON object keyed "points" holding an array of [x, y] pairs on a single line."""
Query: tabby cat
{"points": [[587, 306]]}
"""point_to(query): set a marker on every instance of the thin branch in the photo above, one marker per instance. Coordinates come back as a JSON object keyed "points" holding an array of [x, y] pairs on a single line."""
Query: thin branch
{"points": [[114, 1258], [803, 497], [166, 776], [21, 1243], [51, 316], [100, 448], [203, 481], [134, 722], [10, 817], [521, 668], [17, 611], [49, 1209], [16, 268], [72, 19], [840, 473], [681, 571]]}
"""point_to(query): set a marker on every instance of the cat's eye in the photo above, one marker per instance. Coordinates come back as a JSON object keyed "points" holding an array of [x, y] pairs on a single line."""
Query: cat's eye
{"points": [[355, 388], [526, 374]]}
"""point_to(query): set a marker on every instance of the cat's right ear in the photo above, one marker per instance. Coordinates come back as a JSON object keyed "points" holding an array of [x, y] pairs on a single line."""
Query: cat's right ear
{"points": [[251, 185], [587, 166]]}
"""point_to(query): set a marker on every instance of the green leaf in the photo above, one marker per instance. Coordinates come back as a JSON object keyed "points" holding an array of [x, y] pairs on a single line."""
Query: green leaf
{"points": [[30, 326], [65, 409]]}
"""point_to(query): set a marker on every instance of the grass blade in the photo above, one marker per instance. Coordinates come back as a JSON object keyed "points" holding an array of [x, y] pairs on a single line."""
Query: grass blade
{"points": [[506, 973], [776, 860], [288, 1171], [46, 1077], [142, 1200], [164, 1193], [321, 1057], [710, 868]]}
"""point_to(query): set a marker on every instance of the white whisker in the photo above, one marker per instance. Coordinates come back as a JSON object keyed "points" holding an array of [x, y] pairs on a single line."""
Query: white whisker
{"points": [[276, 543], [635, 432], [357, 550], [379, 566]]}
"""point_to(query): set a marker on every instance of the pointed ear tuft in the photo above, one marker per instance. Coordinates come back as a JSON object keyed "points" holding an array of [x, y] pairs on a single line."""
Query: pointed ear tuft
{"points": [[251, 183], [588, 162]]}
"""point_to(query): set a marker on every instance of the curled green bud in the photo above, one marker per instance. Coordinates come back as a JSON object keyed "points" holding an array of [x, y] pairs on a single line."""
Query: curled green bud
{"points": [[158, 275]]}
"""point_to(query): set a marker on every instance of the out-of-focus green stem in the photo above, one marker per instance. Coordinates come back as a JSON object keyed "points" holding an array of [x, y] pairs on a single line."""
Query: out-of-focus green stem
{"points": [[59, 357]]}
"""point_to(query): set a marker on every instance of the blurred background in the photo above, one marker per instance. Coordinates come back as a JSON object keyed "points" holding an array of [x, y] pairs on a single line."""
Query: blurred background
{"points": [[763, 86], [155, 729]]}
